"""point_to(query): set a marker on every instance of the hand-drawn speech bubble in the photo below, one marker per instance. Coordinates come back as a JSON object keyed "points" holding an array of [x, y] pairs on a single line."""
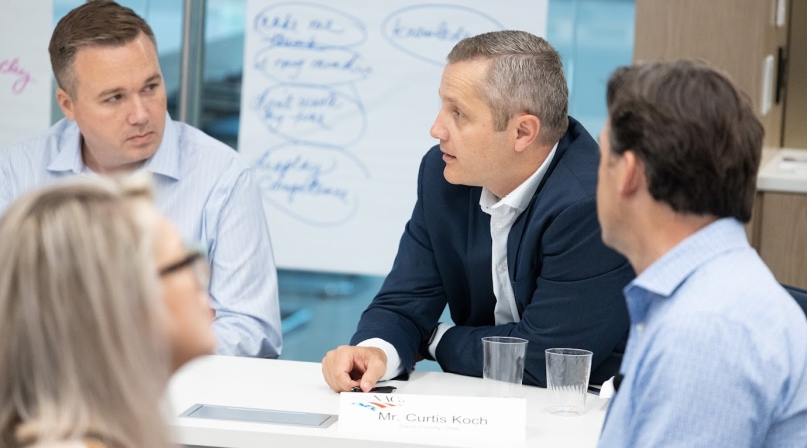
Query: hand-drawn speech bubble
{"points": [[308, 25], [429, 32], [311, 114], [314, 185], [323, 66]]}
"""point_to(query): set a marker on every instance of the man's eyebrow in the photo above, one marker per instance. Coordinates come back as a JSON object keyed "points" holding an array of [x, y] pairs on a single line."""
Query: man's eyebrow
{"points": [[450, 99], [152, 78], [112, 91], [117, 90], [446, 98]]}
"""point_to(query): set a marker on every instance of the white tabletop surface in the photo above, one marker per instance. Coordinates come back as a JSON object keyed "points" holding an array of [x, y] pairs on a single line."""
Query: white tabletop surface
{"points": [[298, 386], [784, 171]]}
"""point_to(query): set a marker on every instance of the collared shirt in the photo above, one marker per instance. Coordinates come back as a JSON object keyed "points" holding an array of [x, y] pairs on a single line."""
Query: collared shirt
{"points": [[205, 188], [503, 214], [717, 353]]}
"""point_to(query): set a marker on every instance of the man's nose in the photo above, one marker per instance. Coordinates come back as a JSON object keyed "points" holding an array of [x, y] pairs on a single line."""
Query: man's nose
{"points": [[437, 130], [138, 114]]}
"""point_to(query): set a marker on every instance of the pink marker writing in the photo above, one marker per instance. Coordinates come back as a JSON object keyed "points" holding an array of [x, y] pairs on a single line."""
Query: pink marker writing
{"points": [[12, 67]]}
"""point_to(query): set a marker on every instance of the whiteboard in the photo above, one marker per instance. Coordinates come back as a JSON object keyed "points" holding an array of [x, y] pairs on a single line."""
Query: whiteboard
{"points": [[25, 73], [336, 105]]}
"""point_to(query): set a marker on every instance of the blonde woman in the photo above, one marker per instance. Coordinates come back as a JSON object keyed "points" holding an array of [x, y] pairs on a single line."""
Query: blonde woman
{"points": [[99, 303]]}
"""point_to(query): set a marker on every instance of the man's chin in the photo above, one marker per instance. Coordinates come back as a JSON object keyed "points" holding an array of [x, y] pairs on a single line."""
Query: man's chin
{"points": [[609, 239], [135, 158], [141, 151], [451, 177]]}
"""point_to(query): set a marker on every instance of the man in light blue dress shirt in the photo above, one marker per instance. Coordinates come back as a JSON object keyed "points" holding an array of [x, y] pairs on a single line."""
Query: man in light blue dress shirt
{"points": [[111, 91], [717, 352]]}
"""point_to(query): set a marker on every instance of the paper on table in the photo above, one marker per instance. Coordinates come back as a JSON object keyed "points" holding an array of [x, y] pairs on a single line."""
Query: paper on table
{"points": [[797, 164]]}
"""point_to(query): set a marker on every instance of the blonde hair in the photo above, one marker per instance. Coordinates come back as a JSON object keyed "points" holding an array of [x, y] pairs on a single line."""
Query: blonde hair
{"points": [[83, 353]]}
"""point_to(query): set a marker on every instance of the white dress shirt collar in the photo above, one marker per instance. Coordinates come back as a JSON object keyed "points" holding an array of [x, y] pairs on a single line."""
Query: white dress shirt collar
{"points": [[521, 196], [165, 161]]}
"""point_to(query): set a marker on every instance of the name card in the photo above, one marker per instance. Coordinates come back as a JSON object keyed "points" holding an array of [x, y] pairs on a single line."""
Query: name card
{"points": [[500, 419]]}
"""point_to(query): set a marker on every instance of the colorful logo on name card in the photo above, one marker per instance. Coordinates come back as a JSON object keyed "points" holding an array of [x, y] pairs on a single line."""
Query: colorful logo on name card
{"points": [[375, 406]]}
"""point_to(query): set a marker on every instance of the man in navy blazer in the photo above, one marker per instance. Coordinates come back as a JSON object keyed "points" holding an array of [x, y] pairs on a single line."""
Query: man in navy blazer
{"points": [[504, 230]]}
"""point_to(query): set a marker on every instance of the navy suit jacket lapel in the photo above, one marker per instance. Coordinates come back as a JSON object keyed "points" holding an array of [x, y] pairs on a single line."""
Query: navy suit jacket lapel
{"points": [[479, 231], [516, 235]]}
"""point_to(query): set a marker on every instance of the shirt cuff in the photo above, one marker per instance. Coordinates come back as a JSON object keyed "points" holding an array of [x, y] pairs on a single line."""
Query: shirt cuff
{"points": [[442, 327], [393, 360], [607, 390]]}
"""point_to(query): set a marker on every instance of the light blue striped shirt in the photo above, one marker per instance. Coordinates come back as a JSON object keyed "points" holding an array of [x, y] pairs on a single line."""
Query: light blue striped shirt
{"points": [[717, 353], [205, 188]]}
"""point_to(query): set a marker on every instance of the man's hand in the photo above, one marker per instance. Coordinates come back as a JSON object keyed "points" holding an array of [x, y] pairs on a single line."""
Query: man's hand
{"points": [[349, 366]]}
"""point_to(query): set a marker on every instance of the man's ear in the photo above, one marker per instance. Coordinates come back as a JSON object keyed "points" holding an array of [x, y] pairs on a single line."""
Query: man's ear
{"points": [[527, 128], [632, 176], [66, 103]]}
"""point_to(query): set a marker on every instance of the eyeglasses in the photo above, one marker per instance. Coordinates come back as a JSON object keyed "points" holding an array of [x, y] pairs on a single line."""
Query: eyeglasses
{"points": [[197, 261]]}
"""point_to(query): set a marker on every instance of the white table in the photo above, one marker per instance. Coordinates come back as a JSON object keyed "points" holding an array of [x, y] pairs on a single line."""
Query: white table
{"points": [[298, 386]]}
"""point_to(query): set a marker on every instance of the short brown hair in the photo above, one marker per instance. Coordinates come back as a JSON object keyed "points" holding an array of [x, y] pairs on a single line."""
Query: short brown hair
{"points": [[695, 131], [97, 22], [525, 76]]}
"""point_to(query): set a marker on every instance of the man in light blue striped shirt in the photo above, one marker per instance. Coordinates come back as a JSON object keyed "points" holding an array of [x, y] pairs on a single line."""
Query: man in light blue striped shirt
{"points": [[717, 352], [111, 90]]}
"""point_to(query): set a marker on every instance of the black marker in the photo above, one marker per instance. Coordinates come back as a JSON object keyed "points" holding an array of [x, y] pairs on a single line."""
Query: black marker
{"points": [[379, 389]]}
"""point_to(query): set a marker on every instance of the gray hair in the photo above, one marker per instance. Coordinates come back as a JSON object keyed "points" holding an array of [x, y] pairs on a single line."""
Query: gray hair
{"points": [[525, 76], [83, 351]]}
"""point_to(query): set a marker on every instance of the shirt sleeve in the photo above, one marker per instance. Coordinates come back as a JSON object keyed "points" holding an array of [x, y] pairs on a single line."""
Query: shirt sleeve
{"points": [[690, 390], [5, 188], [393, 360], [442, 327], [243, 285]]}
